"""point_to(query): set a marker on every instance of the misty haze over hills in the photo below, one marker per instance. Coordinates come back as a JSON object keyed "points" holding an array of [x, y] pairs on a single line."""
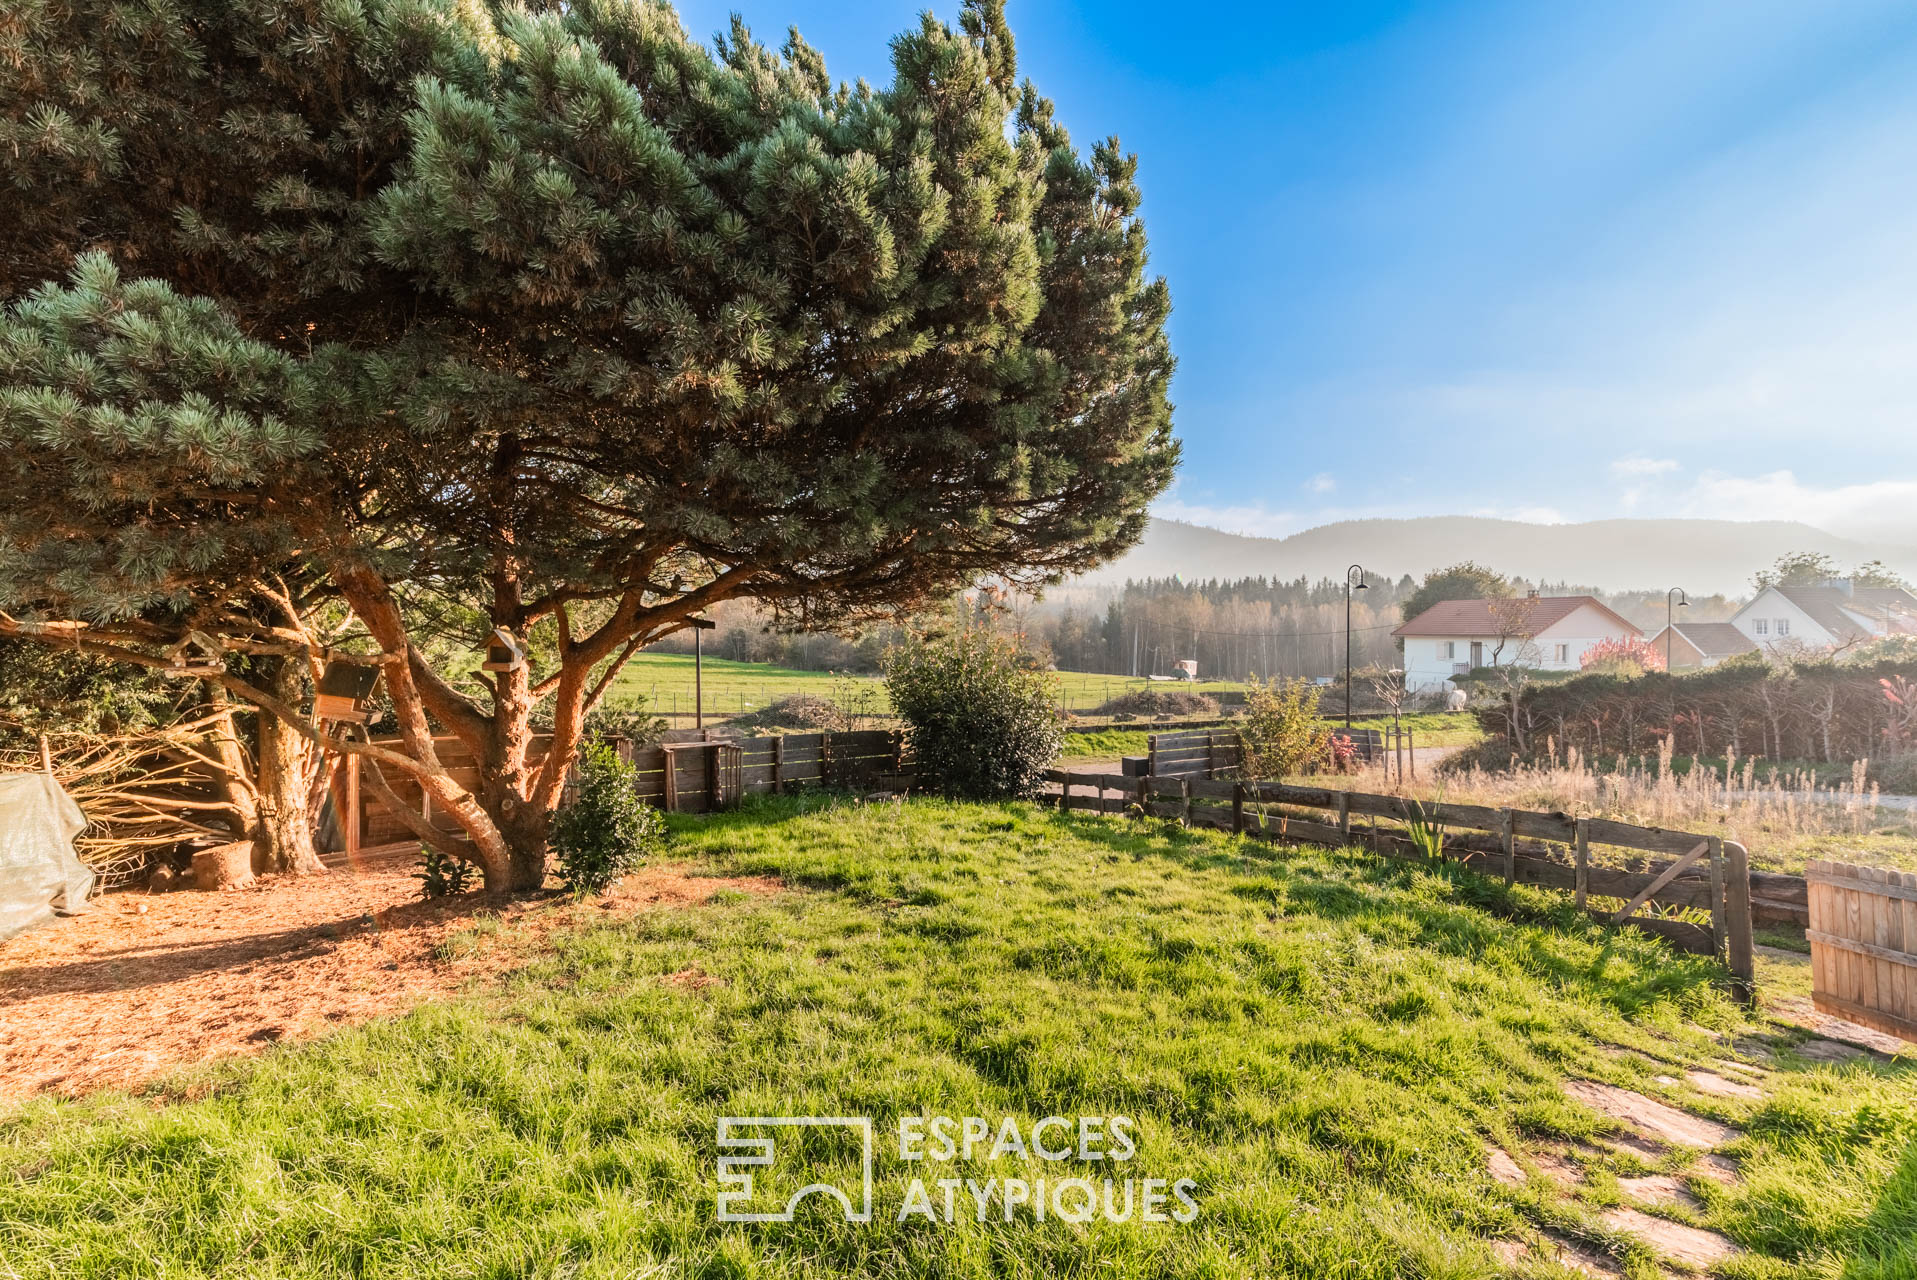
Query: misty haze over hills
{"points": [[1702, 556]]}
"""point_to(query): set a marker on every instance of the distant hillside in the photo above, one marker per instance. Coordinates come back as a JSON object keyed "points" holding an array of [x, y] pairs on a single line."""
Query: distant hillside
{"points": [[1702, 556]]}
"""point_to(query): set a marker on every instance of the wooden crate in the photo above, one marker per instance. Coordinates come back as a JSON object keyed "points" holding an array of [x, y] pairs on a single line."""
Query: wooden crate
{"points": [[1863, 936]]}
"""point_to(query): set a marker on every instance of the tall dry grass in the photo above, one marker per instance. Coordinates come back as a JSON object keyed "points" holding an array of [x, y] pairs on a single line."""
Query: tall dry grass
{"points": [[1744, 799]]}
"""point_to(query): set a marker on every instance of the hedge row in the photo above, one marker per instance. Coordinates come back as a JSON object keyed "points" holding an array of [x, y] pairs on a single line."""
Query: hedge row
{"points": [[1805, 710]]}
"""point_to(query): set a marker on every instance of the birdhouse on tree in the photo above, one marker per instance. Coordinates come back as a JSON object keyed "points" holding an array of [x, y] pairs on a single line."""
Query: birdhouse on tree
{"points": [[198, 656], [503, 652], [346, 692]]}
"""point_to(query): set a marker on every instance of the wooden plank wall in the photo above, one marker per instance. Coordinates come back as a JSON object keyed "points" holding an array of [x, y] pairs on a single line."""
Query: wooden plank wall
{"points": [[1525, 847], [778, 763], [1863, 936]]}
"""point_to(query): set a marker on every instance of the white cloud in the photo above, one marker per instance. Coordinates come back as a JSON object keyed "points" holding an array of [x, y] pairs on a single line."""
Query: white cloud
{"points": [[1885, 509], [1524, 515], [1639, 467], [1321, 483], [1257, 521]]}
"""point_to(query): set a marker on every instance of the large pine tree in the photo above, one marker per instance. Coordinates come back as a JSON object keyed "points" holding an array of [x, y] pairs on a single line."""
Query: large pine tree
{"points": [[558, 322]]}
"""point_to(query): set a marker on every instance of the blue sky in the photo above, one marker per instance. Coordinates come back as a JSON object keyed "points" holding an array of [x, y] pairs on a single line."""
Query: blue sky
{"points": [[1548, 261]]}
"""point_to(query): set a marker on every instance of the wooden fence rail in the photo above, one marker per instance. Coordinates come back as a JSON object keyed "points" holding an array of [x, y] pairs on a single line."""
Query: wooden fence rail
{"points": [[1863, 936], [1553, 850], [774, 763]]}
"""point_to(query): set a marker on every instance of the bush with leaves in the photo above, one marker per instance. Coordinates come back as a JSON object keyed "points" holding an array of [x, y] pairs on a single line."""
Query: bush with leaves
{"points": [[441, 875], [1281, 731], [982, 724], [608, 831]]}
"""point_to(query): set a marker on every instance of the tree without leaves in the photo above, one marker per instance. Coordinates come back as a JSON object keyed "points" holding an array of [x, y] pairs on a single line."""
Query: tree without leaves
{"points": [[555, 318]]}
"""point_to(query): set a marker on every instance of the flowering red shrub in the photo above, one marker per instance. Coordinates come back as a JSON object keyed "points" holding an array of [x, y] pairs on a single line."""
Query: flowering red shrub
{"points": [[1610, 654]]}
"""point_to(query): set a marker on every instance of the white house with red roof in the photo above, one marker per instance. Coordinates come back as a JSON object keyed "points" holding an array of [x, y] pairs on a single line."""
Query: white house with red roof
{"points": [[1549, 633]]}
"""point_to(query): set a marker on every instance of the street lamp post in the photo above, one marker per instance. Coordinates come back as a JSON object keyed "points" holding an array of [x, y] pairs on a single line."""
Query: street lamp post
{"points": [[1354, 578], [1670, 620]]}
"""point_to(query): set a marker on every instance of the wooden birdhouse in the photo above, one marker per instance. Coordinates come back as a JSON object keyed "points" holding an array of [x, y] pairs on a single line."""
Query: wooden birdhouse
{"points": [[346, 692], [197, 657], [503, 652]]}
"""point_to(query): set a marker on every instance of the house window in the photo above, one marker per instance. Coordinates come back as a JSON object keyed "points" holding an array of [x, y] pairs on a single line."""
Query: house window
{"points": [[1783, 626], [1563, 653], [1447, 649], [1762, 626]]}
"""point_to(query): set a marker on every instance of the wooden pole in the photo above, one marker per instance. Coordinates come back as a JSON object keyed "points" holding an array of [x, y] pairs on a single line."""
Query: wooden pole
{"points": [[349, 821], [778, 762], [1184, 792], [1719, 951], [1411, 749], [1737, 922], [46, 756], [1344, 816], [1238, 808], [1583, 850], [1508, 840]]}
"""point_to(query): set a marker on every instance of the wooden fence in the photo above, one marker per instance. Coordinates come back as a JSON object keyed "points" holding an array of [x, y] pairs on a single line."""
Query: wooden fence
{"points": [[1709, 875], [769, 764], [1863, 936]]}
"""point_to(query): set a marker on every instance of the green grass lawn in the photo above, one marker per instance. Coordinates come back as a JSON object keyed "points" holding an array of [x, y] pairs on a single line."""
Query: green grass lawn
{"points": [[667, 679], [1324, 1043]]}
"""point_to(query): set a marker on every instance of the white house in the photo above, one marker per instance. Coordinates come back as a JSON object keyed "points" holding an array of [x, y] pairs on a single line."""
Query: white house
{"points": [[1836, 615], [1550, 633], [1701, 644]]}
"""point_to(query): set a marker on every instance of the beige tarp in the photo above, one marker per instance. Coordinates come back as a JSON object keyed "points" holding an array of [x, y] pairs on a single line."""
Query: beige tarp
{"points": [[39, 875]]}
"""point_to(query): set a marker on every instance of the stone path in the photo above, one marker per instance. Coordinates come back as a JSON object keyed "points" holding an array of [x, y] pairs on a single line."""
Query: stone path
{"points": [[1653, 1131]]}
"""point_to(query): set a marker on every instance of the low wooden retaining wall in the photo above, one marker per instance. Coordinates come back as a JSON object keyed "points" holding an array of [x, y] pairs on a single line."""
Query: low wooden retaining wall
{"points": [[774, 763], [1709, 874]]}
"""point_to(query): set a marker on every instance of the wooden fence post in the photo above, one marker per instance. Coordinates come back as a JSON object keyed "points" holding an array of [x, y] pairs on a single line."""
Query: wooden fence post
{"points": [[1344, 816], [778, 764], [1238, 809], [1508, 840], [349, 821], [1719, 950], [1737, 922], [1065, 793], [1144, 797], [1583, 859], [1184, 792], [1211, 754], [1411, 749], [1151, 754]]}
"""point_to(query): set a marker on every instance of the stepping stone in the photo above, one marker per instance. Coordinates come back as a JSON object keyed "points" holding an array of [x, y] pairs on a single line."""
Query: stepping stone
{"points": [[1659, 1188], [1513, 1252], [1719, 1169], [1712, 1083], [1558, 1168], [1649, 1116], [1692, 1246], [1504, 1169], [1829, 1051]]}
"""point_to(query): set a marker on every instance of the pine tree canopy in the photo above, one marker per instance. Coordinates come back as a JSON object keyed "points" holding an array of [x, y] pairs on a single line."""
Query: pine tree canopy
{"points": [[555, 314]]}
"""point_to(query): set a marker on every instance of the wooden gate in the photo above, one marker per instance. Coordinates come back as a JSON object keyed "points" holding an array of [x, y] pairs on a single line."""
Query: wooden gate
{"points": [[1863, 936]]}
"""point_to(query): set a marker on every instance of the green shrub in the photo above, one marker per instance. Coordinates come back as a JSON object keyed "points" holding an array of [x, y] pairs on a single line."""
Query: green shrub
{"points": [[1281, 731], [608, 830], [441, 875], [981, 722]]}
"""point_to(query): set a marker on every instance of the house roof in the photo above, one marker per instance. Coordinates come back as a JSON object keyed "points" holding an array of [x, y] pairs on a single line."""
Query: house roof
{"points": [[1826, 606], [1488, 619], [1715, 639]]}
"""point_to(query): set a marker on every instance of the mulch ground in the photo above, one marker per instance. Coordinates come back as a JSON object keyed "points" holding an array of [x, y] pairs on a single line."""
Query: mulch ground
{"points": [[143, 982]]}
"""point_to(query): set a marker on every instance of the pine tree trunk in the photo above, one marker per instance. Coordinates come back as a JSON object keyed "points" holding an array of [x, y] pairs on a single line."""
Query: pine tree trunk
{"points": [[283, 837]]}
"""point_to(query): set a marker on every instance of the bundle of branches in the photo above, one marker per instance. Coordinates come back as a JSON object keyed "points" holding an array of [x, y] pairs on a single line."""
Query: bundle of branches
{"points": [[148, 792]]}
